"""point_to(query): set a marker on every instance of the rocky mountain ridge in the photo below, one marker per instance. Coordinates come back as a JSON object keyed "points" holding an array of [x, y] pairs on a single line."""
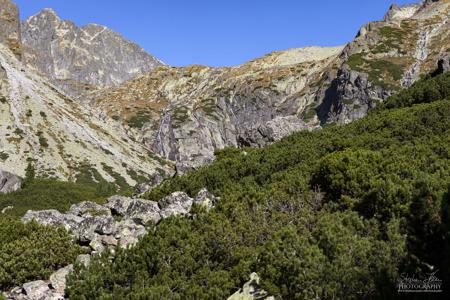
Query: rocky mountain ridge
{"points": [[185, 114], [77, 59]]}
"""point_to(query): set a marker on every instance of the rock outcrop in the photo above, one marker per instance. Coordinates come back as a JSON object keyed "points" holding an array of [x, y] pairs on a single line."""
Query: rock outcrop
{"points": [[271, 131], [9, 182], [444, 63], [10, 27], [185, 114], [80, 58], [93, 225]]}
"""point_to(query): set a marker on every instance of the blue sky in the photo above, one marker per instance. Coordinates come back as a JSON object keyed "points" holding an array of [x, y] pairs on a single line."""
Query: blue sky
{"points": [[220, 32]]}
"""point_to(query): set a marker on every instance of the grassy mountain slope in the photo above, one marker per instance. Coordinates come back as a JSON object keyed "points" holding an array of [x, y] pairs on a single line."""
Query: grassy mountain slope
{"points": [[336, 213]]}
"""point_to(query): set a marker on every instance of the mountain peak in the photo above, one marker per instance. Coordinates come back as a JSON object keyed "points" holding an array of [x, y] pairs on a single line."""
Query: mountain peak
{"points": [[78, 59]]}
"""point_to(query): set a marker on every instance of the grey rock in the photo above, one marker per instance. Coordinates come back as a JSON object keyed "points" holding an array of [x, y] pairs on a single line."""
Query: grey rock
{"points": [[251, 291], [349, 97], [96, 244], [87, 207], [53, 217], [9, 182], [77, 58], [129, 232], [58, 279], [10, 27], [206, 199], [84, 259], [54, 296], [108, 240], [271, 131], [148, 186], [140, 211], [119, 204], [177, 203], [36, 290], [93, 225]]}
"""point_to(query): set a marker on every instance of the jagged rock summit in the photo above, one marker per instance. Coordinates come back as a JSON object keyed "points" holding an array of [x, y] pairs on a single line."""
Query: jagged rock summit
{"points": [[78, 59]]}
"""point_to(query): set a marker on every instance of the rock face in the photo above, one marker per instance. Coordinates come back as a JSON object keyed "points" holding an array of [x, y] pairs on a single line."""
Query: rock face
{"points": [[272, 131], [444, 63], [187, 113], [178, 203], [9, 182], [80, 58], [10, 27]]}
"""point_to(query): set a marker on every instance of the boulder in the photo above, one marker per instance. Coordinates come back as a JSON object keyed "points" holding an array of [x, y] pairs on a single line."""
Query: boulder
{"points": [[53, 217], [58, 279], [96, 244], [90, 208], [119, 204], [206, 199], [129, 232], [84, 259], [139, 210], [177, 203], [92, 225], [36, 290], [9, 182]]}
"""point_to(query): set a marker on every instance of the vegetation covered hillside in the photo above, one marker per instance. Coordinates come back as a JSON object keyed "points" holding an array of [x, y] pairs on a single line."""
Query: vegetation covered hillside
{"points": [[335, 213]]}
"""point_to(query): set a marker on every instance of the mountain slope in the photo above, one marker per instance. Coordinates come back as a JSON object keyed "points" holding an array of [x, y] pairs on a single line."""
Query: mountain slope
{"points": [[185, 114], [338, 213], [40, 124], [77, 59]]}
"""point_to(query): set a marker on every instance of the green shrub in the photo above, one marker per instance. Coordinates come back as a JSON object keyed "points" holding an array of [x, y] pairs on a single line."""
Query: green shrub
{"points": [[31, 251], [330, 214]]}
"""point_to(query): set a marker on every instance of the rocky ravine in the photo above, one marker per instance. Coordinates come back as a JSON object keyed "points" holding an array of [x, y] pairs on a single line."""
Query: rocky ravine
{"points": [[77, 59], [121, 221], [185, 114]]}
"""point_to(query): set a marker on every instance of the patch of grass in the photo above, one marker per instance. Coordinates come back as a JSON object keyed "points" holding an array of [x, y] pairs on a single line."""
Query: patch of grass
{"points": [[29, 113], [2, 99], [139, 120], [49, 194], [43, 115], [118, 179]]}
